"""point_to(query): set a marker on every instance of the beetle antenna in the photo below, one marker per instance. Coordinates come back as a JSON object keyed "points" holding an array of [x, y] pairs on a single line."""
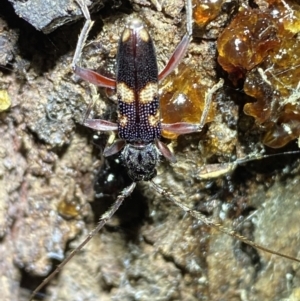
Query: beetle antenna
{"points": [[102, 221], [199, 216]]}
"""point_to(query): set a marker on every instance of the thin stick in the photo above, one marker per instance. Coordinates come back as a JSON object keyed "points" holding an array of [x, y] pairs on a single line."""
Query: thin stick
{"points": [[95, 98], [208, 99], [217, 170], [102, 221], [216, 225]]}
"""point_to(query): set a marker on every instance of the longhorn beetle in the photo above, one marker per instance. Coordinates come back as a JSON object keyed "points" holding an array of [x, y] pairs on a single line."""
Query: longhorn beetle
{"points": [[139, 124]]}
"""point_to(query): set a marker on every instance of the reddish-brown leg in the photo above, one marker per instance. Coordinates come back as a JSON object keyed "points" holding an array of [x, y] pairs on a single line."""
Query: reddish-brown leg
{"points": [[176, 57], [86, 74], [94, 77], [101, 125], [182, 47]]}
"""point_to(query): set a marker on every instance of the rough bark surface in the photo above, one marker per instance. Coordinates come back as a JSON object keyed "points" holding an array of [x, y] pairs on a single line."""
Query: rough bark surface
{"points": [[51, 166]]}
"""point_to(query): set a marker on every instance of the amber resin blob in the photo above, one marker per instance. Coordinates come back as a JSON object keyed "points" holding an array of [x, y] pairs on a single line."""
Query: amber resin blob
{"points": [[206, 10], [262, 48], [182, 98]]}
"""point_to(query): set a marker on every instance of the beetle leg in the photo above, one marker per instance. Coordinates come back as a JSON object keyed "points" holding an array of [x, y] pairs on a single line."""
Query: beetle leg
{"points": [[86, 74]]}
